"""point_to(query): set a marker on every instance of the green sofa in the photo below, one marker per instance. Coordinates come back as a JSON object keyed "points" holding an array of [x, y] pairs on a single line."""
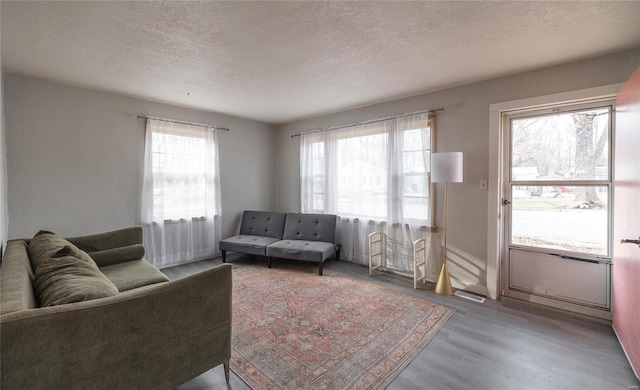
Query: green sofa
{"points": [[130, 328]]}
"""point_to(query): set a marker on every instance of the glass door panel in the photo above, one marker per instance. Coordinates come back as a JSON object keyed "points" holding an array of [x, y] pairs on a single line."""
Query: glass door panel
{"points": [[551, 217], [561, 147], [560, 180]]}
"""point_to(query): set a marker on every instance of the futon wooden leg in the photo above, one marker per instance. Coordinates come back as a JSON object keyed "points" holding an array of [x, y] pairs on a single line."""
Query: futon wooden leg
{"points": [[224, 256], [226, 371], [269, 261], [320, 268]]}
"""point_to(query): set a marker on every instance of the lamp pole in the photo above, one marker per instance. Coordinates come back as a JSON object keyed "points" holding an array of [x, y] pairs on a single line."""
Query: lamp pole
{"points": [[443, 286]]}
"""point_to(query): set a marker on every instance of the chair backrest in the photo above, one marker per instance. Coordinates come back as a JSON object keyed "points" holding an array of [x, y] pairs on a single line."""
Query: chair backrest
{"points": [[310, 227], [262, 223]]}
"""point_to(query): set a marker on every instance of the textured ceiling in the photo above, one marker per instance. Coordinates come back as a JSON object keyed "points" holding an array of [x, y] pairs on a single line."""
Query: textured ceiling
{"points": [[278, 62]]}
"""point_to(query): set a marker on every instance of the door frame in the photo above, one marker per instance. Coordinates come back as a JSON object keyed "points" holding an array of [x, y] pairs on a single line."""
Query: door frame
{"points": [[495, 233]]}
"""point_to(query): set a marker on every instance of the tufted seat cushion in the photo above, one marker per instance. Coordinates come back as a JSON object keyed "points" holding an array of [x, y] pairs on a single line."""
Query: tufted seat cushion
{"points": [[316, 251], [257, 230], [307, 237], [251, 245]]}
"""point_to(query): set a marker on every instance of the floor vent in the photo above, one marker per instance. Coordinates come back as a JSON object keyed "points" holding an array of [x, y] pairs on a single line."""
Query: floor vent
{"points": [[470, 297]]}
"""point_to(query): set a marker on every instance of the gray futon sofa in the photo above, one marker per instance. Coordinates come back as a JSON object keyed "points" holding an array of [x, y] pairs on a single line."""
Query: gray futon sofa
{"points": [[293, 236]]}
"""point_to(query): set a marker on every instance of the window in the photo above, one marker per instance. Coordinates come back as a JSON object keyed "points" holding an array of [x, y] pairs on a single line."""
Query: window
{"points": [[179, 176], [181, 193], [375, 177], [377, 171]]}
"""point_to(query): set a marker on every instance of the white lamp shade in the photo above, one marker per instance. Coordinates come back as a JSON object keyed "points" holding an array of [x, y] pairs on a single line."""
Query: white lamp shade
{"points": [[446, 167]]}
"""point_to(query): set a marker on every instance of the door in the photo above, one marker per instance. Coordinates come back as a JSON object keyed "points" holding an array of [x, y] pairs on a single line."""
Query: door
{"points": [[626, 256], [557, 206]]}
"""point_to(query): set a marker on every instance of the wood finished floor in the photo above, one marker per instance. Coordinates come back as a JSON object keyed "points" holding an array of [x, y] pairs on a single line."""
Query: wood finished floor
{"points": [[495, 345]]}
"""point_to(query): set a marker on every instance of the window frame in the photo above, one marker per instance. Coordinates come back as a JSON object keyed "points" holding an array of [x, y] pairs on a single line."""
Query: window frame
{"points": [[206, 175], [554, 109]]}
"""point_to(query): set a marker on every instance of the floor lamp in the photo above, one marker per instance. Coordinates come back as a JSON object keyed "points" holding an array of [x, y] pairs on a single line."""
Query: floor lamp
{"points": [[445, 168]]}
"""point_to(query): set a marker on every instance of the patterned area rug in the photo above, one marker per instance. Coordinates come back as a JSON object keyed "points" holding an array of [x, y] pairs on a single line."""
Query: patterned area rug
{"points": [[293, 329]]}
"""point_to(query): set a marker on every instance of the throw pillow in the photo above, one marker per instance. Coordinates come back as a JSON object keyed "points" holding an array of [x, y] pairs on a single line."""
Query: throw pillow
{"points": [[45, 244], [65, 278]]}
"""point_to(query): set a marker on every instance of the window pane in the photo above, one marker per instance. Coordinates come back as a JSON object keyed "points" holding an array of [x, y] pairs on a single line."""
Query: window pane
{"points": [[415, 162], [318, 184], [565, 146], [415, 165], [318, 149], [318, 202], [318, 176], [416, 185], [318, 166], [416, 207], [557, 218], [362, 167], [417, 139], [179, 176]]}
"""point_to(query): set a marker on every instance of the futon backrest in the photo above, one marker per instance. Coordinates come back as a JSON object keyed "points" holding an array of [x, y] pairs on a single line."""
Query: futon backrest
{"points": [[310, 227], [262, 223]]}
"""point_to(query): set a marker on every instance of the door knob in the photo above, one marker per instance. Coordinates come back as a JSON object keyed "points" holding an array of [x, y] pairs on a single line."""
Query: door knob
{"points": [[628, 241]]}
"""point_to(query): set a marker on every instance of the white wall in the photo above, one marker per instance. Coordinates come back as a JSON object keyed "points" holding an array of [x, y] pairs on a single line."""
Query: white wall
{"points": [[75, 158], [4, 217], [463, 126]]}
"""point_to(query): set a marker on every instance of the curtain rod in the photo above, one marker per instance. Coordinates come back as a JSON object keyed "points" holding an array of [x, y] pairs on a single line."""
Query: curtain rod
{"points": [[366, 122], [157, 118]]}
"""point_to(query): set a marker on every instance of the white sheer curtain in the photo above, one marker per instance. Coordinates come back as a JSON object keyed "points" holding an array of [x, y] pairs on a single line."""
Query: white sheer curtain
{"points": [[181, 193], [374, 177]]}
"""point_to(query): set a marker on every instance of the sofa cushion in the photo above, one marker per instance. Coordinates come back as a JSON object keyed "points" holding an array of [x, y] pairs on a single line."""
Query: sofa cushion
{"points": [[133, 274], [315, 251], [262, 223], [251, 245], [45, 244], [311, 227], [66, 278]]}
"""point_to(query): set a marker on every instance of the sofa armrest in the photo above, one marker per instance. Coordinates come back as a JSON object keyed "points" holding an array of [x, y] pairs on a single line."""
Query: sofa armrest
{"points": [[154, 337], [109, 240]]}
